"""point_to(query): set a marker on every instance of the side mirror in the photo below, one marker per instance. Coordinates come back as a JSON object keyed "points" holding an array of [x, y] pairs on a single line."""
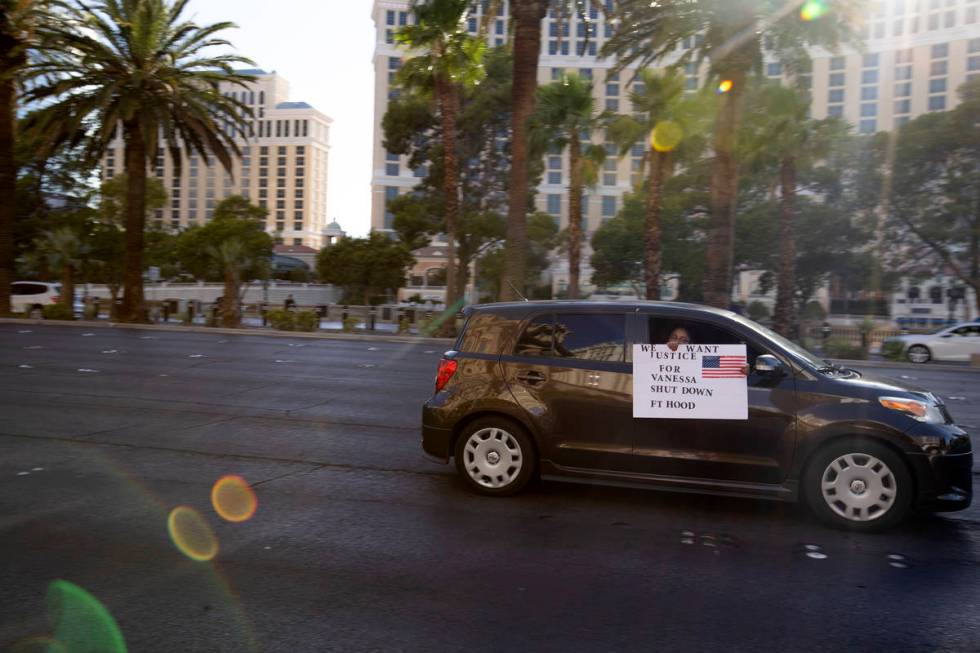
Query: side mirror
{"points": [[769, 365]]}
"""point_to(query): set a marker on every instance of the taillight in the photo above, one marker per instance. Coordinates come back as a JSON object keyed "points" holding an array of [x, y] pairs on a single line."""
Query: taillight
{"points": [[447, 368], [55, 299]]}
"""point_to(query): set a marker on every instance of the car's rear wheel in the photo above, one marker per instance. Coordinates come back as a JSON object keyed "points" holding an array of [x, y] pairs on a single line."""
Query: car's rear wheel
{"points": [[858, 485], [36, 312], [495, 456], [919, 354]]}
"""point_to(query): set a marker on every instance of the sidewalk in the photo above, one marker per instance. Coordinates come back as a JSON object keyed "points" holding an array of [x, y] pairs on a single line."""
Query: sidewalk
{"points": [[251, 327]]}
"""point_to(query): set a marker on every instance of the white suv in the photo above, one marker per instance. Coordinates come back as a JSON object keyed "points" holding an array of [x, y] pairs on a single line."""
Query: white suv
{"points": [[33, 295]]}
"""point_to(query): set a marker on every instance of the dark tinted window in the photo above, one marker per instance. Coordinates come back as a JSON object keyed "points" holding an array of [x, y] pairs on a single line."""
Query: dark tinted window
{"points": [[536, 338], [968, 331], [598, 336], [482, 335], [29, 288]]}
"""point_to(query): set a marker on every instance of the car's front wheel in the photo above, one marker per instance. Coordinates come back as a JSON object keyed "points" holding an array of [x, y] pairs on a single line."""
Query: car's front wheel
{"points": [[495, 456], [858, 485], [919, 354]]}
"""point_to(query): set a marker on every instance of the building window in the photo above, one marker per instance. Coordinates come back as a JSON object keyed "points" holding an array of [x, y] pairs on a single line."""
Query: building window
{"points": [[903, 90], [937, 103], [391, 192], [837, 63], [836, 79], [940, 51], [609, 179], [869, 77], [774, 70], [836, 111], [973, 63], [835, 95], [612, 104], [868, 93], [391, 169], [612, 88], [903, 106], [903, 73], [938, 68], [554, 178], [937, 85], [870, 60], [608, 206], [556, 74], [869, 110], [585, 73], [554, 204]]}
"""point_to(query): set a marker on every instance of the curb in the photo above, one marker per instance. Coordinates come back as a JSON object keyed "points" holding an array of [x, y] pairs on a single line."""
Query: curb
{"points": [[271, 333]]}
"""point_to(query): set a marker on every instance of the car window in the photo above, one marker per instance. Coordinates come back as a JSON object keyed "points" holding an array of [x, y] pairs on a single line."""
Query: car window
{"points": [[29, 288], [967, 331], [595, 336], [536, 340], [700, 333], [482, 335]]}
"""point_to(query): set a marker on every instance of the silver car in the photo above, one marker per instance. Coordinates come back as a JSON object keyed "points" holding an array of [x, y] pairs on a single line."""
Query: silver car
{"points": [[954, 343]]}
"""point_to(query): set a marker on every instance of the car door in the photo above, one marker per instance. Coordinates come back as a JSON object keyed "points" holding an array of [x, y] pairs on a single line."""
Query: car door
{"points": [[959, 343], [569, 373], [757, 450]]}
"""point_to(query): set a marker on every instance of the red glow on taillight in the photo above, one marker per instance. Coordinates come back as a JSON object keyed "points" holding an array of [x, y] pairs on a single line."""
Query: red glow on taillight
{"points": [[55, 299], [447, 368]]}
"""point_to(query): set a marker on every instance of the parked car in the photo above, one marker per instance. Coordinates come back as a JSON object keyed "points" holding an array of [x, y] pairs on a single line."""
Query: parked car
{"points": [[955, 343], [545, 388], [33, 295]]}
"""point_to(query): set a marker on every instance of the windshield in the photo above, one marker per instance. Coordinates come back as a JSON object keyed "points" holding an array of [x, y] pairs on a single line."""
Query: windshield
{"points": [[786, 344]]}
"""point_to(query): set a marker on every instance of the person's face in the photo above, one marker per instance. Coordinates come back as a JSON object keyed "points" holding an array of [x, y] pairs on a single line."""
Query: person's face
{"points": [[678, 337]]}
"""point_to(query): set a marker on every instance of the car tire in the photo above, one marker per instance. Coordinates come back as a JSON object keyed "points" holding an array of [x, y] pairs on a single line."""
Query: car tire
{"points": [[858, 485], [918, 354], [36, 312], [495, 456]]}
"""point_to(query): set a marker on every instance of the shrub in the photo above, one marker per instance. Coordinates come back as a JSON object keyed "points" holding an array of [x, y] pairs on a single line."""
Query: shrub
{"points": [[281, 319], [306, 321], [350, 323], [57, 312], [892, 349], [840, 348], [404, 325], [814, 311], [758, 311], [90, 312]]}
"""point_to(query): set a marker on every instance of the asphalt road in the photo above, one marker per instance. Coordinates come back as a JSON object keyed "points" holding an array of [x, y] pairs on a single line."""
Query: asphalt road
{"points": [[360, 544]]}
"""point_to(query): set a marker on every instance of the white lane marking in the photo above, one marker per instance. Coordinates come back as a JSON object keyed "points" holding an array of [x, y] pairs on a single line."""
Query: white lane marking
{"points": [[284, 361], [221, 342], [148, 337], [25, 331], [811, 547], [22, 473], [956, 398], [197, 356], [26, 367], [687, 540], [910, 378], [37, 469], [295, 344], [87, 334], [85, 369], [367, 365], [430, 351], [164, 375], [816, 555], [372, 349], [110, 351], [687, 533], [34, 347]]}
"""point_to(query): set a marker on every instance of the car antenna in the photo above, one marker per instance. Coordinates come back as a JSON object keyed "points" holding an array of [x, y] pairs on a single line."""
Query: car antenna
{"points": [[516, 290]]}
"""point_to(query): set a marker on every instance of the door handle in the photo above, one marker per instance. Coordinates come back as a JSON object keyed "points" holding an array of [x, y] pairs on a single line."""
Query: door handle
{"points": [[530, 377]]}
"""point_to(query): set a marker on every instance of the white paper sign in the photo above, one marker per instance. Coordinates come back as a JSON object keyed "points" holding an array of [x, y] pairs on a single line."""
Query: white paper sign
{"points": [[693, 382]]}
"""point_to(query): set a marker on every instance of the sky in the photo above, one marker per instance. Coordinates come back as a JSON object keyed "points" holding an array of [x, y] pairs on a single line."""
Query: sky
{"points": [[324, 48]]}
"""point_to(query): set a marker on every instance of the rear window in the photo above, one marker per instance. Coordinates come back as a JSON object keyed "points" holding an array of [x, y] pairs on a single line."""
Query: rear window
{"points": [[482, 334], [590, 336]]}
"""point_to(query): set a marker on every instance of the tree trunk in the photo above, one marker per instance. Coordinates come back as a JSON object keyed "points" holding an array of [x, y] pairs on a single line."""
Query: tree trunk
{"points": [[8, 181], [783, 315], [724, 189], [67, 298], [230, 313], [527, 16], [574, 214], [653, 250], [975, 251], [449, 109], [135, 153]]}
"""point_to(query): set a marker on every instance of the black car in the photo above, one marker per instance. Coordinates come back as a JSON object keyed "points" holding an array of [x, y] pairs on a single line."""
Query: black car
{"points": [[545, 388]]}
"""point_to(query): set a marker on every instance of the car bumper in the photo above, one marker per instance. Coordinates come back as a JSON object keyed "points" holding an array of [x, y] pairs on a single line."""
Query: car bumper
{"points": [[437, 441], [944, 468]]}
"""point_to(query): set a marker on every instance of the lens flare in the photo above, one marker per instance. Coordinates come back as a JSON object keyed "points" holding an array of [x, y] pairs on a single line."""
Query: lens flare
{"points": [[813, 9], [191, 534], [725, 85], [666, 136], [233, 499], [81, 622]]}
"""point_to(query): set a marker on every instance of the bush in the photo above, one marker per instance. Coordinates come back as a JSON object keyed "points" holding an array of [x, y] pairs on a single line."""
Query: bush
{"points": [[892, 349], [758, 311], [306, 321], [840, 348], [281, 319], [350, 323], [57, 312], [404, 325]]}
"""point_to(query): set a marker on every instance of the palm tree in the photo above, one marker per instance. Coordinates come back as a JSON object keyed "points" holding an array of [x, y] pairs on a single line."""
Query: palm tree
{"points": [[138, 65], [779, 134], [672, 125], [64, 251], [452, 59], [564, 115], [20, 21], [731, 35]]}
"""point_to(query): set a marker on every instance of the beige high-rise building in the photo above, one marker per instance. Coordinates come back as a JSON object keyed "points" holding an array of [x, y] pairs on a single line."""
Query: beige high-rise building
{"points": [[918, 52], [283, 167]]}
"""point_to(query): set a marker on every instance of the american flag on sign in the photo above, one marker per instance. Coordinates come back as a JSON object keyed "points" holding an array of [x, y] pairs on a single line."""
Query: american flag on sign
{"points": [[722, 367]]}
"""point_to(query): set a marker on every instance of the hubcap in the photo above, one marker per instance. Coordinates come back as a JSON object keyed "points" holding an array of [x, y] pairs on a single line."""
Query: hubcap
{"points": [[858, 487], [492, 457], [918, 355]]}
